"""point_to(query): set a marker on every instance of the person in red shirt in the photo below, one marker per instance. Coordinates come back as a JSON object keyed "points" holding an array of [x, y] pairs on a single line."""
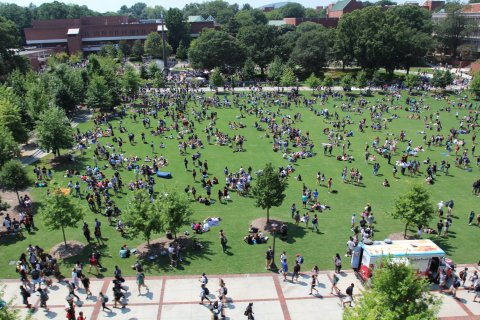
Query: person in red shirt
{"points": [[93, 264], [81, 317]]}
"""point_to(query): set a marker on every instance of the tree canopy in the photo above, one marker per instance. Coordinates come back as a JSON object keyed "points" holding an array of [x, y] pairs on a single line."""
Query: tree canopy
{"points": [[269, 189], [175, 211], [14, 177], [413, 207], [396, 293], [54, 131], [60, 212]]}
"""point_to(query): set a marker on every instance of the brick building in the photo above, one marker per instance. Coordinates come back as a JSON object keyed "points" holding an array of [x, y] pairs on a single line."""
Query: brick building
{"points": [[338, 9], [89, 34]]}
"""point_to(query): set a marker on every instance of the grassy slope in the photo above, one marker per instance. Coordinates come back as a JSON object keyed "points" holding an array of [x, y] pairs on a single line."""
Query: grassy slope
{"points": [[316, 248]]}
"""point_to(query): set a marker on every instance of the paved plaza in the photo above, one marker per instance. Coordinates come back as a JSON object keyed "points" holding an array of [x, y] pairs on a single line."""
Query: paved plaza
{"points": [[178, 298]]}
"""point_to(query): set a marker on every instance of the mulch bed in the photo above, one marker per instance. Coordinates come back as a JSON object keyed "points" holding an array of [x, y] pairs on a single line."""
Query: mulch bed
{"points": [[73, 248], [159, 246], [263, 226]]}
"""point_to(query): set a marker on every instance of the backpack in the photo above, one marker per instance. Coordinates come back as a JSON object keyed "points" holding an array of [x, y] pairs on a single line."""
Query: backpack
{"points": [[301, 260], [462, 274], [105, 299], [206, 291], [225, 291]]}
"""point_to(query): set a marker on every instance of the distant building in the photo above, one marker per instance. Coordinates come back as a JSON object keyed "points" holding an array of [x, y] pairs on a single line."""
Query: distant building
{"points": [[89, 34], [326, 21], [338, 9], [433, 5]]}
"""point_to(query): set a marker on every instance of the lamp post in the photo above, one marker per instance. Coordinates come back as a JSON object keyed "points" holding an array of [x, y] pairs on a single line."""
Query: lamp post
{"points": [[274, 226], [165, 62]]}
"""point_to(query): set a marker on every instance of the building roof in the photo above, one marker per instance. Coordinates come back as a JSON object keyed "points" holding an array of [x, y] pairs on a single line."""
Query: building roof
{"points": [[275, 5], [276, 23], [403, 248], [340, 5], [472, 8], [195, 19]]}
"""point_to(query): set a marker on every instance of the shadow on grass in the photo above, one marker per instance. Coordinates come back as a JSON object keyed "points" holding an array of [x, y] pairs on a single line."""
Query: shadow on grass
{"points": [[444, 243], [294, 231]]}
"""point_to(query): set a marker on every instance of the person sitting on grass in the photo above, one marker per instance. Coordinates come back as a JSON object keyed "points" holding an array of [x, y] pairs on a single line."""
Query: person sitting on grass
{"points": [[386, 183], [124, 252]]}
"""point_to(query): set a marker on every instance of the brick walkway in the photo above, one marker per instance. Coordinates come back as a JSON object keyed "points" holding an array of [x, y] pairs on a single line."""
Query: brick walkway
{"points": [[178, 298]]}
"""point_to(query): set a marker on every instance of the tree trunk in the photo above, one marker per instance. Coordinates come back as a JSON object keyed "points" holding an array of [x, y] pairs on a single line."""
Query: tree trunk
{"points": [[148, 242], [175, 235], [18, 197], [405, 233], [64, 238], [268, 215]]}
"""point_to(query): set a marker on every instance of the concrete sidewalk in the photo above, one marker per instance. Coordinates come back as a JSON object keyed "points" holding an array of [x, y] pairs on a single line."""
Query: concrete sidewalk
{"points": [[178, 298]]}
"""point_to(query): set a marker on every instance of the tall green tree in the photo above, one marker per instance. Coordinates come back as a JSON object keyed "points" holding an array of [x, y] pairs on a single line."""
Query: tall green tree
{"points": [[60, 212], [292, 10], [361, 80], [269, 190], [14, 177], [412, 81], [182, 51], [347, 82], [137, 49], [275, 69], [216, 49], [259, 42], [8, 147], [313, 82], [396, 293], [142, 216], [311, 50], [9, 40], [175, 210], [98, 94], [248, 70], [54, 131], [130, 81], [441, 79], [414, 207], [288, 78], [216, 78], [452, 30], [153, 46], [124, 47], [177, 28], [474, 86], [11, 120]]}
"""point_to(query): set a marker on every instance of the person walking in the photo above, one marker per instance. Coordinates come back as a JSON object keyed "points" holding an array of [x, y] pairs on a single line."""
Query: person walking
{"points": [[349, 298], [43, 298], [268, 258], [315, 223], [86, 284], [335, 280], [223, 241], [338, 263], [284, 269], [330, 182], [249, 311], [93, 264], [296, 271], [103, 301], [25, 295], [71, 290], [141, 282], [204, 292], [313, 283]]}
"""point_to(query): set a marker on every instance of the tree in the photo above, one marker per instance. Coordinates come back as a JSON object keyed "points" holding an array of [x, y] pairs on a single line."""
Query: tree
{"points": [[441, 79], [328, 81], [361, 80], [313, 82], [137, 49], [11, 120], [60, 212], [182, 51], [9, 311], [177, 27], [159, 80], [54, 131], [396, 293], [310, 50], [98, 94], [175, 211], [346, 82], [248, 71], [252, 17], [216, 79], [259, 42], [37, 97], [412, 81], [275, 69], [452, 30], [130, 81], [475, 85], [414, 207], [288, 78], [124, 48], [142, 215], [8, 147], [269, 191], [153, 68], [154, 46], [216, 49], [292, 10], [14, 177], [9, 40]]}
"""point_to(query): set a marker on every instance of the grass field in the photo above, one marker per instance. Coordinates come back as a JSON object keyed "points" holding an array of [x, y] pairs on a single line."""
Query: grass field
{"points": [[334, 224]]}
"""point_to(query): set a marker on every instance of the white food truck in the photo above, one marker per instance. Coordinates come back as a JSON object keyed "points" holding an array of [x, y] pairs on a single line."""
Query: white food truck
{"points": [[423, 255]]}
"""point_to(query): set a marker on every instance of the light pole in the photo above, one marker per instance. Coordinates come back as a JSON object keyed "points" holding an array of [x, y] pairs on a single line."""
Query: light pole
{"points": [[165, 64], [274, 226]]}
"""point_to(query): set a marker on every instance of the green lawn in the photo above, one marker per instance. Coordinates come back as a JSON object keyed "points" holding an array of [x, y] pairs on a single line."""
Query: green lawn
{"points": [[334, 224]]}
